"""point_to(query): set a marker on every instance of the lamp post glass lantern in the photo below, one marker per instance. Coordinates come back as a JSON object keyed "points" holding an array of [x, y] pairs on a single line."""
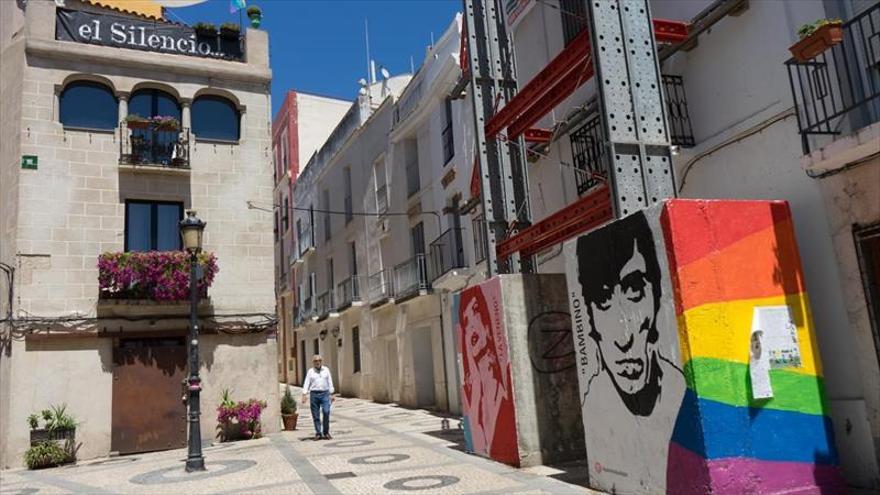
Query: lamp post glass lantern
{"points": [[191, 229]]}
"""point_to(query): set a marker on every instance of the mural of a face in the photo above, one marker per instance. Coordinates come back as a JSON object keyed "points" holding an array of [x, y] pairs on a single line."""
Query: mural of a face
{"points": [[623, 318], [476, 329], [620, 280]]}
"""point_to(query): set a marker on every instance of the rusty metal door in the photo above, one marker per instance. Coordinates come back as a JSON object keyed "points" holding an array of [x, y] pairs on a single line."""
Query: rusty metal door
{"points": [[148, 413]]}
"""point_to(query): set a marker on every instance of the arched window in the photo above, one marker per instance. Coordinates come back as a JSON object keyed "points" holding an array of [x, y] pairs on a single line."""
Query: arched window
{"points": [[215, 117], [153, 103], [88, 105]]}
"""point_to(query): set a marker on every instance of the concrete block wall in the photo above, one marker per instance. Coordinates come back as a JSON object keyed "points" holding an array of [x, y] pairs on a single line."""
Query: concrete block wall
{"points": [[668, 306]]}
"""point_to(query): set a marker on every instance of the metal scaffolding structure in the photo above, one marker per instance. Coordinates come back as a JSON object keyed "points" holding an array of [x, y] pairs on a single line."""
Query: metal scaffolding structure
{"points": [[619, 48]]}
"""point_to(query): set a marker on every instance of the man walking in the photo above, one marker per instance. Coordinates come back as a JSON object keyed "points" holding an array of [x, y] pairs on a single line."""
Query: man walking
{"points": [[319, 384]]}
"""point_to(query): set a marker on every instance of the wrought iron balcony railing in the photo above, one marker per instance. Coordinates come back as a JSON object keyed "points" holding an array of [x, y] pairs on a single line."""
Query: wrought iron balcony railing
{"points": [[411, 277], [380, 287], [348, 292], [306, 240], [838, 91], [326, 305], [587, 142], [148, 145], [308, 308], [447, 253]]}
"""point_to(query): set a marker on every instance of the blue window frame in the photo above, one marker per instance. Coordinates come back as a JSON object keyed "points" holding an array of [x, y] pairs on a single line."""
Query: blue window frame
{"points": [[88, 105], [215, 118], [152, 225]]}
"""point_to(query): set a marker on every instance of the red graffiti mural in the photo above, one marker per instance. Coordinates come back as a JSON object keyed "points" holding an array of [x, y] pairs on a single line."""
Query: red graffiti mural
{"points": [[487, 394]]}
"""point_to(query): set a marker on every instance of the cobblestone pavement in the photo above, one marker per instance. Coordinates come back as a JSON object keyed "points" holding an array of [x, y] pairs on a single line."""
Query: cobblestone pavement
{"points": [[376, 449]]}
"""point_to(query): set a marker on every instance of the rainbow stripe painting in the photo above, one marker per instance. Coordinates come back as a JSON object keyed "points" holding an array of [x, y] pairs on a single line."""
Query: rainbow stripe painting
{"points": [[733, 263]]}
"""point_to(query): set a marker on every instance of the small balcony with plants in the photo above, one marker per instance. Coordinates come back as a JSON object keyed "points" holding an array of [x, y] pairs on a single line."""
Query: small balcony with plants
{"points": [[157, 143], [834, 76], [348, 293], [380, 287], [411, 278], [152, 282]]}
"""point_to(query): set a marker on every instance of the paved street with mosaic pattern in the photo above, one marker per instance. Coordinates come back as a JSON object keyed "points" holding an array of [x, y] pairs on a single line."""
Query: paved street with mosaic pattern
{"points": [[377, 448]]}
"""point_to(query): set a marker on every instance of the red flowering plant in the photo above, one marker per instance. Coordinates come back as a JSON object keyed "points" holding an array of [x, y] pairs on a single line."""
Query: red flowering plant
{"points": [[154, 275], [243, 416]]}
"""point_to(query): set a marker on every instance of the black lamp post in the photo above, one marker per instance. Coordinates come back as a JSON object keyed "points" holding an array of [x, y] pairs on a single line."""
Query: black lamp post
{"points": [[191, 229]]}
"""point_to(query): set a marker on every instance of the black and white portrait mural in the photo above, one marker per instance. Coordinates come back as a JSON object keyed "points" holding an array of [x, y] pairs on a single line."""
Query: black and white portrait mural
{"points": [[626, 342]]}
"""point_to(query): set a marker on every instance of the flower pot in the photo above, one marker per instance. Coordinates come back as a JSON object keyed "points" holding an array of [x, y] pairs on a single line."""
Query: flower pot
{"points": [[138, 124], [43, 435], [206, 33], [823, 38], [289, 421], [256, 20], [229, 34]]}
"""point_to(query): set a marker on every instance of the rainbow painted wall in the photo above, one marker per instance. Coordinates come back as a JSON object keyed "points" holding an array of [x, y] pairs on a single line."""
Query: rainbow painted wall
{"points": [[727, 258], [683, 366]]}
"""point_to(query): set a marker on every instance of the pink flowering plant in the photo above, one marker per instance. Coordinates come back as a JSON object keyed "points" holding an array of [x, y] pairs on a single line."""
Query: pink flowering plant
{"points": [[165, 123], [240, 418], [153, 275]]}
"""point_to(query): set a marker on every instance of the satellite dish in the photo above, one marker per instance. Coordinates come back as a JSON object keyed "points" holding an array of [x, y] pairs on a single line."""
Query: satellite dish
{"points": [[362, 91], [362, 82], [384, 72]]}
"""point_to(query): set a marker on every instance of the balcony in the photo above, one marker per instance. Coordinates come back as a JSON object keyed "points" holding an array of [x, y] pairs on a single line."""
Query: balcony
{"points": [[447, 259], [326, 307], [380, 287], [132, 284], [348, 293], [143, 144], [838, 91], [307, 310], [411, 278], [306, 242]]}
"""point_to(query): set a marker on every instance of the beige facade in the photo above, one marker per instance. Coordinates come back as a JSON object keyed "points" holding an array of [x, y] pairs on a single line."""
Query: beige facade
{"points": [[58, 218]]}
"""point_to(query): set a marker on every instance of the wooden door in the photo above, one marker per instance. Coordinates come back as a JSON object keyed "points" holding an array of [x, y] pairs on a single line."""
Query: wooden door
{"points": [[148, 413]]}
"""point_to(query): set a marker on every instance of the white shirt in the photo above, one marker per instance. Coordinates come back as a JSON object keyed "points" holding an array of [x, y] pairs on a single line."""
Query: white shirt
{"points": [[318, 381]]}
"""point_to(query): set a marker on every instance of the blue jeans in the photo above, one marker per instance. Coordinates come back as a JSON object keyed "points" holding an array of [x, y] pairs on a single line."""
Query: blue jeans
{"points": [[320, 401]]}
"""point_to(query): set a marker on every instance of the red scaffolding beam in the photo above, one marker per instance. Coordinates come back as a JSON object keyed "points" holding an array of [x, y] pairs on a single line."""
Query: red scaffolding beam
{"points": [[565, 73], [585, 214]]}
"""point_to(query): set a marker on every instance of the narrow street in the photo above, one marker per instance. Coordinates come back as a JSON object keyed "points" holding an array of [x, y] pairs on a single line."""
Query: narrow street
{"points": [[377, 448]]}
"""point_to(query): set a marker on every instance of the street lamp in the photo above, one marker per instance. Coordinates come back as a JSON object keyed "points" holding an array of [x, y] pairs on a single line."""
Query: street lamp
{"points": [[191, 229]]}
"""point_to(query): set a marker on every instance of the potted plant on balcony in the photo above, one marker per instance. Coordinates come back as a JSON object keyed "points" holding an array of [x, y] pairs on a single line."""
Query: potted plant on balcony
{"points": [[255, 14], [815, 38], [205, 30], [288, 410], [229, 31], [135, 121], [165, 123]]}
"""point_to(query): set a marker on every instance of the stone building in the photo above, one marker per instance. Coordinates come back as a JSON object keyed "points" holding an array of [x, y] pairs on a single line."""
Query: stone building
{"points": [[88, 168], [301, 125]]}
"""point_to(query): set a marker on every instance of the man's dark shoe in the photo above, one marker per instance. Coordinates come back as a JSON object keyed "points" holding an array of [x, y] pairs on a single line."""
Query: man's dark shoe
{"points": [[327, 436], [318, 436]]}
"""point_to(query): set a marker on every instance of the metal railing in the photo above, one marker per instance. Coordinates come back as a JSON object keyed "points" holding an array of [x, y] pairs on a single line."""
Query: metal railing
{"points": [[307, 309], [306, 239], [348, 291], [588, 153], [681, 133], [144, 144], [382, 199], [837, 91], [447, 252], [411, 276], [326, 304], [380, 286]]}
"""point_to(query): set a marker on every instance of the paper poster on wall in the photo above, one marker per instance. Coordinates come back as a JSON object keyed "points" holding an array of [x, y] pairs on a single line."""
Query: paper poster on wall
{"points": [[779, 336], [759, 362]]}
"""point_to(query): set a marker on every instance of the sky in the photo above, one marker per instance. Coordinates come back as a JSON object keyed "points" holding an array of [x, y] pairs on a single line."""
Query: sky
{"points": [[318, 46]]}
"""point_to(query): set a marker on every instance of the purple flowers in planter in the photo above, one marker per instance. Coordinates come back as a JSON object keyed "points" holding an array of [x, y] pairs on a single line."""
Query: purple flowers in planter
{"points": [[244, 414], [154, 275]]}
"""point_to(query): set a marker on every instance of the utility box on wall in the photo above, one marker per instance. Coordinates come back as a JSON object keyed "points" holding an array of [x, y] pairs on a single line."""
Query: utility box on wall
{"points": [[519, 394], [697, 362]]}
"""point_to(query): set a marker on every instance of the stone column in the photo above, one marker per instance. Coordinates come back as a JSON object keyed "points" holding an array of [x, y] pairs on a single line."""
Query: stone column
{"points": [[123, 104], [186, 114]]}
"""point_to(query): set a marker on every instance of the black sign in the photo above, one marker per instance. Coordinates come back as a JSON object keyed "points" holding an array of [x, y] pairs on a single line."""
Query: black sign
{"points": [[140, 34]]}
